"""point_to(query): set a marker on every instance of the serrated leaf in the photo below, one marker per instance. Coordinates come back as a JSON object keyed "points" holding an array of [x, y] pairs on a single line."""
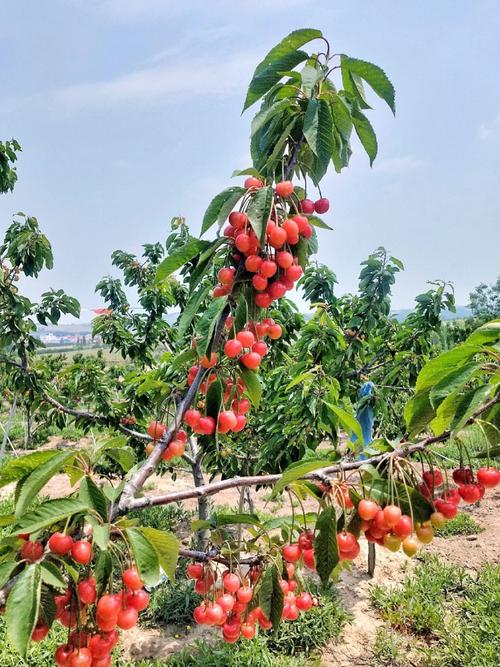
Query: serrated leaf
{"points": [[418, 413], [208, 321], [16, 469], [259, 211], [6, 570], [268, 112], [283, 57], [487, 334], [232, 519], [192, 308], [185, 357], [374, 76], [348, 421], [366, 134], [48, 608], [253, 386], [22, 608], [124, 456], [297, 470], [438, 368], [49, 513], [341, 117], [103, 571], [221, 206], [318, 222], [52, 576], [92, 496], [300, 378], [250, 171], [271, 596], [452, 382], [214, 399], [309, 77], [100, 535], [241, 314], [179, 257], [145, 556], [318, 131], [166, 546], [326, 550]]}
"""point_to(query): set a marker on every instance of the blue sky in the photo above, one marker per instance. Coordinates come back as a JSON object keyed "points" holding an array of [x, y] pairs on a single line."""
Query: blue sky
{"points": [[128, 112]]}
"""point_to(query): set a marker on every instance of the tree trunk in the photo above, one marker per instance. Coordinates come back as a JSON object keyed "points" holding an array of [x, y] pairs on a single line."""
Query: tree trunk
{"points": [[7, 428]]}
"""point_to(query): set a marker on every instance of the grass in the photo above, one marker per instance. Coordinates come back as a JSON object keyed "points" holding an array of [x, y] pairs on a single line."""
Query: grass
{"points": [[462, 524], [473, 442], [440, 617]]}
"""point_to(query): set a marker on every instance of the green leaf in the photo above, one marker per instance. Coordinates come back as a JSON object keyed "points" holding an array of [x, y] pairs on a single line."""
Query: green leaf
{"points": [[101, 535], [300, 378], [6, 570], [241, 314], [206, 326], [48, 608], [374, 76], [452, 382], [221, 206], [192, 307], [438, 368], [253, 386], [232, 519], [271, 596], [318, 131], [326, 550], [281, 58], [103, 571], [341, 117], [112, 443], [309, 76], [418, 413], [348, 421], [7, 520], [18, 468], [297, 470], [268, 112], [250, 171], [318, 222], [166, 546], [145, 556], [49, 513], [52, 576], [487, 334], [92, 496], [214, 399], [22, 608], [124, 456], [470, 402], [365, 133], [178, 258], [185, 357], [259, 211]]}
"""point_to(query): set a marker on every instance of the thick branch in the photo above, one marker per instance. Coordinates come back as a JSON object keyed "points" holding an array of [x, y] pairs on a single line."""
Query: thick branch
{"points": [[405, 450], [214, 556]]}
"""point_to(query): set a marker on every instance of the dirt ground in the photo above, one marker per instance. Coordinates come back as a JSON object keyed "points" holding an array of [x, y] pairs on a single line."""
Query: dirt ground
{"points": [[354, 587]]}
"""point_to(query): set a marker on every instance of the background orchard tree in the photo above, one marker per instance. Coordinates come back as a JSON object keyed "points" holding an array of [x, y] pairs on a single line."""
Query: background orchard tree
{"points": [[214, 382]]}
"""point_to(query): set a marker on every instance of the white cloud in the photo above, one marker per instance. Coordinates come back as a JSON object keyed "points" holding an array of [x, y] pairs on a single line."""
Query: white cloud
{"points": [[398, 165], [485, 131], [165, 82]]}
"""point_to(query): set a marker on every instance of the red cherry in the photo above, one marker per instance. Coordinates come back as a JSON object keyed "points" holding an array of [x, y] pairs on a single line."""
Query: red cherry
{"points": [[106, 625], [381, 523], [232, 348], [127, 618], [284, 189], [294, 272], [226, 422], [60, 544], [302, 222], [176, 448], [209, 362], [243, 242], [404, 527], [238, 219], [108, 606], [470, 493], [229, 231], [206, 425], [62, 655], [246, 338], [137, 599], [304, 601], [307, 206], [226, 275], [306, 231], [309, 559], [220, 290], [346, 541], [156, 430], [433, 478], [253, 263], [452, 496], [448, 509], [268, 268], [462, 476], [132, 580], [226, 601], [80, 658], [488, 477], [292, 552], [87, 592], [277, 237], [200, 614], [292, 231], [215, 614], [247, 630], [259, 282], [192, 418], [81, 552], [284, 259], [195, 570], [251, 360], [99, 646], [260, 347], [231, 582], [32, 551], [244, 594], [306, 540], [102, 662], [241, 421], [275, 331], [252, 182], [392, 514], [40, 632], [321, 205], [277, 289]]}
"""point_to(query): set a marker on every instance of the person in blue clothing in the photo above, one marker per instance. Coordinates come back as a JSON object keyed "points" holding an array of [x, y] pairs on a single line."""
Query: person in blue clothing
{"points": [[365, 414]]}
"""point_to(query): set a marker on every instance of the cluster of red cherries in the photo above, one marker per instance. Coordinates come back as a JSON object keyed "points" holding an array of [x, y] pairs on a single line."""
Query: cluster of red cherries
{"points": [[92, 622], [228, 597], [176, 447], [272, 269]]}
